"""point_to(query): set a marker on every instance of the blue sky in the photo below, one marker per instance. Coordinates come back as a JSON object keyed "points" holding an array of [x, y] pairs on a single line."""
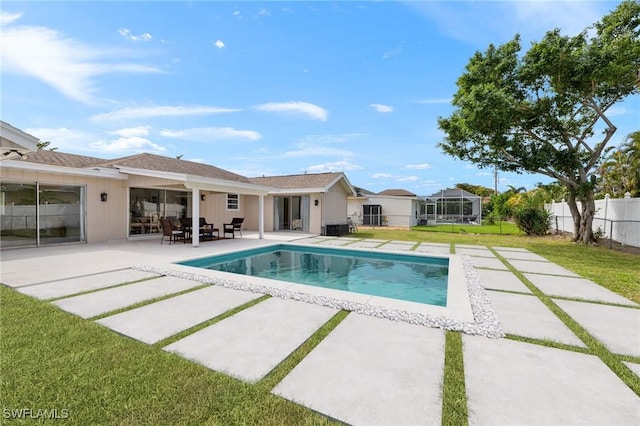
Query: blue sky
{"points": [[267, 88]]}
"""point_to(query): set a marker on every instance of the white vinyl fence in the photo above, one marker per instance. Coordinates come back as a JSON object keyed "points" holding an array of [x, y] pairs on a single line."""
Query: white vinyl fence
{"points": [[617, 219]]}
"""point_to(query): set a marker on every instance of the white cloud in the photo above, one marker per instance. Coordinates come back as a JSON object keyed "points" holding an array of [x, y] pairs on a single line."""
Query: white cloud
{"points": [[306, 151], [616, 111], [434, 101], [381, 107], [264, 12], [396, 178], [133, 139], [296, 107], [219, 44], [131, 132], [7, 18], [381, 176], [126, 34], [160, 111], [63, 138], [205, 134], [337, 166], [67, 65], [393, 52], [423, 166]]}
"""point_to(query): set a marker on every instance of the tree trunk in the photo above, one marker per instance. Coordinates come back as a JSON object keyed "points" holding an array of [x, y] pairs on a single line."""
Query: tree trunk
{"points": [[575, 214], [588, 212]]}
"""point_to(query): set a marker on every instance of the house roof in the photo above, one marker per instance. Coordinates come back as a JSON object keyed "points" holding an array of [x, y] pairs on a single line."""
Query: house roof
{"points": [[15, 143], [452, 193], [363, 192], [154, 162], [307, 180], [397, 193], [56, 158]]}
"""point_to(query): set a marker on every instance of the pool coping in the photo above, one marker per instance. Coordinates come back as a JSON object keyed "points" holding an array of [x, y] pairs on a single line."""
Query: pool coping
{"points": [[468, 308]]}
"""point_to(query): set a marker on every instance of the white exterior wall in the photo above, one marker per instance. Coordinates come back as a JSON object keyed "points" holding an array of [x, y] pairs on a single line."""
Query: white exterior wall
{"points": [[399, 211], [333, 205]]}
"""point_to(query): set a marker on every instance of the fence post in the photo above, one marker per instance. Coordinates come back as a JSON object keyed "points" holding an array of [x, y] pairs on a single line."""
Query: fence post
{"points": [[611, 236]]}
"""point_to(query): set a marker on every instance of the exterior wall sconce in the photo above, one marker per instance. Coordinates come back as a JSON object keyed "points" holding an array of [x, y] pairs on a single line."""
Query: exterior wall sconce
{"points": [[315, 202], [103, 197], [202, 197]]}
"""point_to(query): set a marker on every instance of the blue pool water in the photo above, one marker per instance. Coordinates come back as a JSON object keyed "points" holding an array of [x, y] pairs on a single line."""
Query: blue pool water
{"points": [[398, 276]]}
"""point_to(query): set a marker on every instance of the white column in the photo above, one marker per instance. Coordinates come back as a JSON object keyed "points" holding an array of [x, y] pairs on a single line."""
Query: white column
{"points": [[195, 217], [261, 216]]}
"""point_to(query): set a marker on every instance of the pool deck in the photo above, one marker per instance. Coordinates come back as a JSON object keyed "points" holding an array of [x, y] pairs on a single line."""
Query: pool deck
{"points": [[379, 371]]}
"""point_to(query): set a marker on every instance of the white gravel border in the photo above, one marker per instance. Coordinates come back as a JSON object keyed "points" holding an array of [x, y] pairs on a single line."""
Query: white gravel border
{"points": [[486, 322]]}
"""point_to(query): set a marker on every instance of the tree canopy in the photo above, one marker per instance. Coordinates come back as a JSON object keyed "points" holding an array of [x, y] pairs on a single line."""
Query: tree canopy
{"points": [[547, 110]]}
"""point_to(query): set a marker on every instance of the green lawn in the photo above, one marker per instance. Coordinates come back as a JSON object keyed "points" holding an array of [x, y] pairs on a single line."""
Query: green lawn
{"points": [[50, 359]]}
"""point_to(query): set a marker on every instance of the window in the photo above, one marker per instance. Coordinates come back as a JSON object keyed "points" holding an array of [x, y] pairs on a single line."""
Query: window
{"points": [[233, 202]]}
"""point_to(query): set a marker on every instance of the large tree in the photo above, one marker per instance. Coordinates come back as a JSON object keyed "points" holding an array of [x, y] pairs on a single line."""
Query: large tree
{"points": [[546, 110]]}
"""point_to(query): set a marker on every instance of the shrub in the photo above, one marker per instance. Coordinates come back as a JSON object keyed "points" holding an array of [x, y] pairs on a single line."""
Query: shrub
{"points": [[533, 220]]}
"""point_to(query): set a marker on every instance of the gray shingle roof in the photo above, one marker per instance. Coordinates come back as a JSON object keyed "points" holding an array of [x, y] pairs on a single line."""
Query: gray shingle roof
{"points": [[154, 162], [56, 158], [397, 193], [307, 180]]}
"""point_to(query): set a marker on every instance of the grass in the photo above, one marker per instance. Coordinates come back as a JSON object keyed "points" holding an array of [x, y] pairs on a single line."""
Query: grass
{"points": [[501, 228], [454, 395]]}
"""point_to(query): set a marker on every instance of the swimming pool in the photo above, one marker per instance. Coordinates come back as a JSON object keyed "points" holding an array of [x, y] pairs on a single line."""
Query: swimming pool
{"points": [[406, 277]]}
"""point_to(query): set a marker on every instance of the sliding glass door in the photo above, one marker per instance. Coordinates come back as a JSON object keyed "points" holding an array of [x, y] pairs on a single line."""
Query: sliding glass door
{"points": [[291, 213], [35, 214]]}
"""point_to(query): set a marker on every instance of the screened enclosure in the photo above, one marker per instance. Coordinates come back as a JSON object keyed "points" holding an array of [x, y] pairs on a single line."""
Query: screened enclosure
{"points": [[452, 206]]}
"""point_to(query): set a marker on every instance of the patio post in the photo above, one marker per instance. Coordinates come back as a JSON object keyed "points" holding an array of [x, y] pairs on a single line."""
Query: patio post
{"points": [[195, 217], [261, 216]]}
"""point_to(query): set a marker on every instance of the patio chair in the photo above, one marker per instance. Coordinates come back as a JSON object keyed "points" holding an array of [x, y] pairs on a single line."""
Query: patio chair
{"points": [[235, 225], [207, 229], [353, 226], [168, 230]]}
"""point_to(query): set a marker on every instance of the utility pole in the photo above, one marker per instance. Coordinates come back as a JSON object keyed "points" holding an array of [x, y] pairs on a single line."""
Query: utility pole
{"points": [[495, 180]]}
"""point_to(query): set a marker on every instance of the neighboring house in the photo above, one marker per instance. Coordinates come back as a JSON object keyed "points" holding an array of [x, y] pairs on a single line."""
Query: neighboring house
{"points": [[453, 205], [391, 207], [52, 197], [306, 202]]}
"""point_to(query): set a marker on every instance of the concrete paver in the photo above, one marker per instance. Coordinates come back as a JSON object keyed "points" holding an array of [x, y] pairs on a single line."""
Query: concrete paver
{"points": [[397, 245], [251, 343], [101, 301], [527, 316], [487, 262], [536, 267], [521, 255], [512, 249], [371, 371], [434, 249], [86, 283], [580, 288], [157, 321], [616, 327], [366, 244], [501, 280], [516, 383], [482, 252]]}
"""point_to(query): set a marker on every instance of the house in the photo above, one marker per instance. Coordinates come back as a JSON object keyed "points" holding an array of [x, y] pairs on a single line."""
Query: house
{"points": [[391, 207], [54, 197], [306, 202], [453, 205]]}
